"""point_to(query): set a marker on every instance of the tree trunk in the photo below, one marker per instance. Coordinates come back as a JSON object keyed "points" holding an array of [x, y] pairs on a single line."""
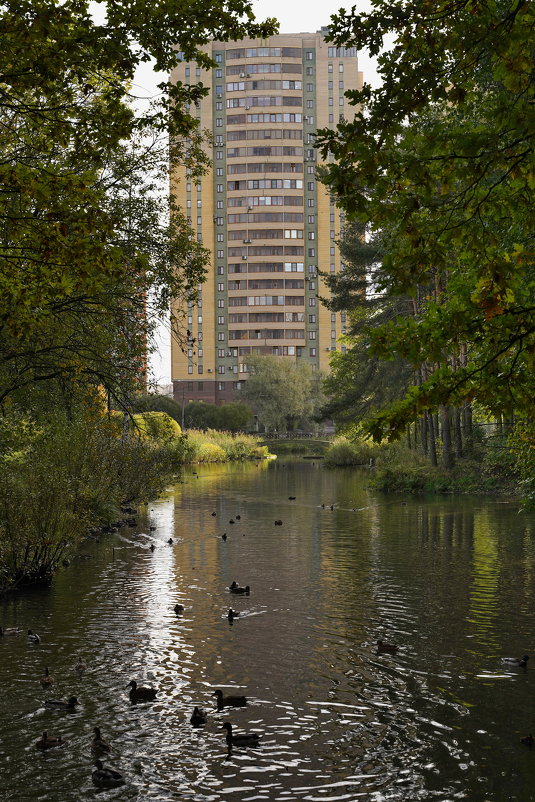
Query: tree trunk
{"points": [[447, 452], [457, 433], [431, 439], [467, 427]]}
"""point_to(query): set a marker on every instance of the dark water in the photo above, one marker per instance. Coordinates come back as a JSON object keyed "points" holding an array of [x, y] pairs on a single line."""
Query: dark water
{"points": [[450, 580]]}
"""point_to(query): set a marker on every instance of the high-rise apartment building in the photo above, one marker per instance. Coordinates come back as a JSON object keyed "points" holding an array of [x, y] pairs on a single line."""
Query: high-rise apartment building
{"points": [[268, 222]]}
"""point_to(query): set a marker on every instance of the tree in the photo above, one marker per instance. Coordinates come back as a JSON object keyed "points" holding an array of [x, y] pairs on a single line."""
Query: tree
{"points": [[283, 393], [231, 417], [83, 238], [441, 158]]}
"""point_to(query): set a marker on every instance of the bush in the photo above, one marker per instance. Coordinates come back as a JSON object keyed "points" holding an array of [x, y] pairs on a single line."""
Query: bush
{"points": [[350, 452], [158, 426]]}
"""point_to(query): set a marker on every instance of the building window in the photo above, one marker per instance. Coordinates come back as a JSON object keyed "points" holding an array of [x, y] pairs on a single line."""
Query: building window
{"points": [[219, 154], [219, 107], [190, 368], [310, 186], [311, 169], [221, 254], [221, 320], [221, 385], [312, 302], [309, 55], [331, 102], [312, 351], [310, 87], [333, 268], [312, 285], [220, 287], [340, 101], [310, 203], [220, 237], [219, 204], [312, 252], [340, 67], [221, 303], [199, 370], [310, 70], [221, 369], [187, 72], [219, 122], [331, 118], [219, 171], [221, 336], [199, 203], [311, 218], [310, 104], [219, 187], [219, 59], [312, 318], [333, 317], [332, 251], [221, 353], [199, 319], [311, 335], [329, 67], [333, 334], [312, 235], [332, 234], [220, 270]]}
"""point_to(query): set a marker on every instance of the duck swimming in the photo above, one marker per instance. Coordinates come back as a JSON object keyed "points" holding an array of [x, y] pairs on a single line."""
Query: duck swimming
{"points": [[519, 662], [178, 608], [33, 637], [528, 740], [389, 648], [233, 585], [229, 701], [241, 591], [80, 667], [198, 717], [98, 746], [141, 694], [46, 742], [231, 615], [106, 778], [70, 704], [244, 739], [46, 681], [10, 631]]}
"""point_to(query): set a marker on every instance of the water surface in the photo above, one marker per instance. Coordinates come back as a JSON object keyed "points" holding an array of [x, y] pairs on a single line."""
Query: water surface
{"points": [[449, 580]]}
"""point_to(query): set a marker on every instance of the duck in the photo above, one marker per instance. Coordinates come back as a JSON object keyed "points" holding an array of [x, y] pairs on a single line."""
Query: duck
{"points": [[70, 704], [198, 717], [80, 667], [241, 591], [278, 522], [232, 614], [233, 585], [141, 694], [106, 778], [152, 528], [244, 739], [98, 746], [389, 648], [214, 514], [224, 536], [292, 498], [170, 541], [48, 742], [46, 680], [33, 637], [231, 521], [229, 701], [519, 662], [152, 547], [528, 740], [178, 608], [238, 517], [10, 631]]}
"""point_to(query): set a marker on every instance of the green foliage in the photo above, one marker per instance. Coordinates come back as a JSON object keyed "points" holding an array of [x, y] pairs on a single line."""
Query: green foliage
{"points": [[157, 426], [285, 394], [216, 446], [343, 451], [439, 162], [90, 251], [58, 479], [150, 402], [230, 417]]}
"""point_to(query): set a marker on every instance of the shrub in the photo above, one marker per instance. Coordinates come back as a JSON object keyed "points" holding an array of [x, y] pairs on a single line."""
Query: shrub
{"points": [[350, 452]]}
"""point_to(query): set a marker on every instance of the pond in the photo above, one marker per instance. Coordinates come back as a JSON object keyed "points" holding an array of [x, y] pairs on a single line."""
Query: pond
{"points": [[449, 580]]}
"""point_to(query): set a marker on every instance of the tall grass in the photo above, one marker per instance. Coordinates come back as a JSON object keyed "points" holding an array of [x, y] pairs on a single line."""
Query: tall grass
{"points": [[216, 446]]}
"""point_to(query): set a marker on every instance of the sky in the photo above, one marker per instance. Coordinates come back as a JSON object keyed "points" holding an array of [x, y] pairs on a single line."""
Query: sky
{"points": [[295, 16]]}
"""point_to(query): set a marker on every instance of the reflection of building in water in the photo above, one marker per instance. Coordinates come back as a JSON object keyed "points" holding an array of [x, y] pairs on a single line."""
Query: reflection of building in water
{"points": [[268, 222]]}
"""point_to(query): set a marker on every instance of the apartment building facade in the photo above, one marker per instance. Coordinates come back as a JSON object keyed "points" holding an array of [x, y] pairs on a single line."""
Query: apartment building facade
{"points": [[269, 224]]}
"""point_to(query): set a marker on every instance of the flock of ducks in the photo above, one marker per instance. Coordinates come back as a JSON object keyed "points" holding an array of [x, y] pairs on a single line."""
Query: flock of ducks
{"points": [[107, 778]]}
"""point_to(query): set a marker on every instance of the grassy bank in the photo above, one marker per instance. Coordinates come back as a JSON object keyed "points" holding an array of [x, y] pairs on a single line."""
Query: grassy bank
{"points": [[492, 468], [214, 446]]}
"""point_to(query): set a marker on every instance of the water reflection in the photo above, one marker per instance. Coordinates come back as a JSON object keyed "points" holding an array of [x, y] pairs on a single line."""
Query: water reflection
{"points": [[448, 580]]}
